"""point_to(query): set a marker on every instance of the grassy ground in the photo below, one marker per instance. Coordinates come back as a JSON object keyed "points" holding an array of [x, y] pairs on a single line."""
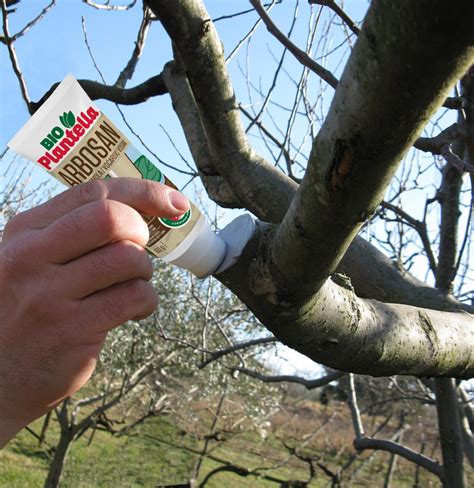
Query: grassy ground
{"points": [[146, 459], [107, 462]]}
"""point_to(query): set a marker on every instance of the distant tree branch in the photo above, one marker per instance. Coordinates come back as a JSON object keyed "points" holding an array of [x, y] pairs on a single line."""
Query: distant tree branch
{"points": [[362, 441], [419, 226], [215, 355], [308, 384]]}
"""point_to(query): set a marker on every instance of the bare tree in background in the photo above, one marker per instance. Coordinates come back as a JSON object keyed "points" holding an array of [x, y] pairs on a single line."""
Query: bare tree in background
{"points": [[305, 274]]}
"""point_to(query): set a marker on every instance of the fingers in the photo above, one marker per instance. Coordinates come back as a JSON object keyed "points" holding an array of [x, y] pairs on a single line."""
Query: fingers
{"points": [[106, 309], [105, 267], [145, 196], [89, 227]]}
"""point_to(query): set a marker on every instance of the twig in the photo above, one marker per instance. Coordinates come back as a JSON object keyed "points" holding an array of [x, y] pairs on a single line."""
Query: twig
{"points": [[231, 16], [106, 6], [30, 24], [235, 347], [339, 12], [420, 227], [275, 76], [13, 58], [127, 73], [300, 55], [160, 85]]}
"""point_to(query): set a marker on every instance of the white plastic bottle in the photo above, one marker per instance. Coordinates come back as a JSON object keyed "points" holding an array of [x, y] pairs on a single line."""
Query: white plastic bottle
{"points": [[70, 138]]}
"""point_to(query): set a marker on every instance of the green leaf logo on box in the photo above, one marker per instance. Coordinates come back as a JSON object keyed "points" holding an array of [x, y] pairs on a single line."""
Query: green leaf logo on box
{"points": [[67, 119]]}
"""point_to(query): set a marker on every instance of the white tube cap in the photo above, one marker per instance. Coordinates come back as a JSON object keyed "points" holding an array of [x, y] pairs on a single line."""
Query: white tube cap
{"points": [[204, 255]]}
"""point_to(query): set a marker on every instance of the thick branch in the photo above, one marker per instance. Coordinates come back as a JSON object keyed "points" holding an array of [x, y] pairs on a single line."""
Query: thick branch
{"points": [[185, 107], [126, 96], [374, 275], [347, 333], [362, 141]]}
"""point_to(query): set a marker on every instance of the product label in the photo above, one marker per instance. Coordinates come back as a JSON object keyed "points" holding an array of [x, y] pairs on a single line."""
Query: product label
{"points": [[88, 146]]}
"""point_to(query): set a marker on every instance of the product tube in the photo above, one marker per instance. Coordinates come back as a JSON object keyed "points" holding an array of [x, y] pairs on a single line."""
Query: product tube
{"points": [[75, 142]]}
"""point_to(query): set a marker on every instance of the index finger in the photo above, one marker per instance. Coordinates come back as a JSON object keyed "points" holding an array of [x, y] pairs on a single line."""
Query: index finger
{"points": [[146, 196]]}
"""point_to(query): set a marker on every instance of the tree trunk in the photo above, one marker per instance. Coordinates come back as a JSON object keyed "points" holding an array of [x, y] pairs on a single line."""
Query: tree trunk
{"points": [[44, 429], [57, 465], [450, 433]]}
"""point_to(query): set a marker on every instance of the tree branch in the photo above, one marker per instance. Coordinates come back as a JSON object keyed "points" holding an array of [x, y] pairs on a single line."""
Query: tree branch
{"points": [[264, 191], [215, 355], [435, 144], [347, 333], [7, 39], [339, 12], [126, 96], [106, 6], [200, 50], [362, 441], [361, 143], [127, 73], [185, 107], [30, 24], [300, 55], [308, 384]]}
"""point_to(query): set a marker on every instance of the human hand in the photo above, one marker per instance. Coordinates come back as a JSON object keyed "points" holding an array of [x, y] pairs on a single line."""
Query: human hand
{"points": [[71, 270]]}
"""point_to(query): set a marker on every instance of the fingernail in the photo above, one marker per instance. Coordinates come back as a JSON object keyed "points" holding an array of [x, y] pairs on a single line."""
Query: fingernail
{"points": [[179, 201]]}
